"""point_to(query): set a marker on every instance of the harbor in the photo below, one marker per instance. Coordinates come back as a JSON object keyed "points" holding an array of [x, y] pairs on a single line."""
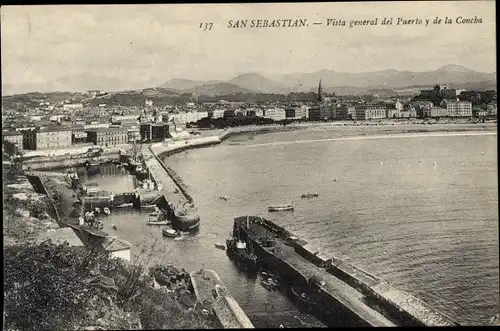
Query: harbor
{"points": [[365, 299]]}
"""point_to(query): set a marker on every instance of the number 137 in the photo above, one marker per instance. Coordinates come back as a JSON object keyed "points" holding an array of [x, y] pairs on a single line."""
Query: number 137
{"points": [[206, 26]]}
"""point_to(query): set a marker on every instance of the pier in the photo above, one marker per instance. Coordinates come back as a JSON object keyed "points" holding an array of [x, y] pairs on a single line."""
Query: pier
{"points": [[342, 294], [179, 206], [208, 287]]}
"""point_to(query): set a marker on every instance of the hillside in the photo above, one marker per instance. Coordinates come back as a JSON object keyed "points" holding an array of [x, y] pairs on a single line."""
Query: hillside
{"points": [[159, 96], [185, 84], [219, 89], [388, 79], [259, 83]]}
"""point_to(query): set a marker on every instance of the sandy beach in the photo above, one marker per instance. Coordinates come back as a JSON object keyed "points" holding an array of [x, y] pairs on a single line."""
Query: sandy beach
{"points": [[366, 128]]}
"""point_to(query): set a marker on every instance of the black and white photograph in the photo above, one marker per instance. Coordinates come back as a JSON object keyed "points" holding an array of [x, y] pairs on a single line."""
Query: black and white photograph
{"points": [[250, 165]]}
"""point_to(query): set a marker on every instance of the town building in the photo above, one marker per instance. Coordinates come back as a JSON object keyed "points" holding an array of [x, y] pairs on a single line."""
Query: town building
{"points": [[47, 138], [126, 119], [399, 106], [314, 114], [492, 109], [367, 112], [154, 132], [438, 112], [458, 108], [108, 136], [15, 137], [78, 135], [342, 113], [72, 106], [448, 93], [94, 93], [275, 113], [134, 134], [90, 126]]}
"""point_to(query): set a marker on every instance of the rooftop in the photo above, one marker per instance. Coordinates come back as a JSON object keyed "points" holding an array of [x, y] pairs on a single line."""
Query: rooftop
{"points": [[116, 244], [11, 133], [107, 129]]}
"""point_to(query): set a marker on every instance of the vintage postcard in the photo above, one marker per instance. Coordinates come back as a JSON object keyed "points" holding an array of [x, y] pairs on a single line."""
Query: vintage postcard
{"points": [[250, 165]]}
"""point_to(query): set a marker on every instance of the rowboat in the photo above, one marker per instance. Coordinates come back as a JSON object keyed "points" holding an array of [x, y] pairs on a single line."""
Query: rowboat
{"points": [[171, 233], [282, 207], [309, 195]]}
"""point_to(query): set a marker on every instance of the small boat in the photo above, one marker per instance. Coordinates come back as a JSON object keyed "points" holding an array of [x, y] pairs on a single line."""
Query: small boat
{"points": [[158, 223], [220, 246], [171, 233], [125, 205], [106, 211], [223, 197], [309, 195], [283, 207], [153, 207], [304, 297], [114, 227], [97, 210], [269, 282], [155, 213]]}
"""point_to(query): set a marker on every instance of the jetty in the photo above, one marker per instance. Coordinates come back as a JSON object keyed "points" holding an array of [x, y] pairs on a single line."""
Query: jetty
{"points": [[208, 287], [180, 207], [341, 294]]}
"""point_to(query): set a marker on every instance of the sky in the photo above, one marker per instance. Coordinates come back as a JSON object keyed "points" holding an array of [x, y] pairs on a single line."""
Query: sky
{"points": [[160, 42]]}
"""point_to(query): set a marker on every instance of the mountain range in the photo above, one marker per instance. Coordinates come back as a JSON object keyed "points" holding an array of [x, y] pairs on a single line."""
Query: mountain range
{"points": [[332, 81]]}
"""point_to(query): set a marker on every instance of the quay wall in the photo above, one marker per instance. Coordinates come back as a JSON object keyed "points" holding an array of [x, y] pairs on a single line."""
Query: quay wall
{"points": [[65, 161]]}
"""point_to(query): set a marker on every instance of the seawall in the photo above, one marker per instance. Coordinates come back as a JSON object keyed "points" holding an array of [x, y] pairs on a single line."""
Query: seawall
{"points": [[208, 286]]}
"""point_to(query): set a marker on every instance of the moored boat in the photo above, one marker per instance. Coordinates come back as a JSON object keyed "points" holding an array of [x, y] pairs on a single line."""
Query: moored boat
{"points": [[282, 207], [106, 211], [171, 233], [309, 195], [268, 281], [302, 296]]}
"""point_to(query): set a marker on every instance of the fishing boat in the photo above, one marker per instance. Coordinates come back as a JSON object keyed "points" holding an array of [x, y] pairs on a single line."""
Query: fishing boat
{"points": [[160, 220], [171, 233], [309, 195], [106, 211], [241, 252], [268, 281], [282, 207], [220, 246]]}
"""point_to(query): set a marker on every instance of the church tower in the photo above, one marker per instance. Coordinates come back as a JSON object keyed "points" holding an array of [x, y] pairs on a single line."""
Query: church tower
{"points": [[320, 92]]}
